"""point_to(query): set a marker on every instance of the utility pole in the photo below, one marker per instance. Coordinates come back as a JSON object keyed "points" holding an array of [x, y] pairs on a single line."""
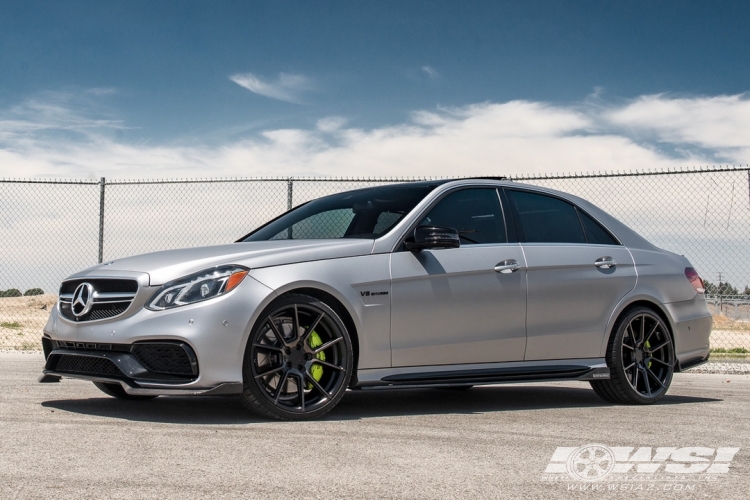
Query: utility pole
{"points": [[721, 293]]}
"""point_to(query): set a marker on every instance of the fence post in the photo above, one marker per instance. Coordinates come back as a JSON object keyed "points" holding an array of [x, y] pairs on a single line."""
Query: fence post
{"points": [[102, 183], [289, 197]]}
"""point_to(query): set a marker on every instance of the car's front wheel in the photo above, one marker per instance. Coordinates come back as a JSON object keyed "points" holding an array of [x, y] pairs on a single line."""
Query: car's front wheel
{"points": [[640, 356], [298, 360]]}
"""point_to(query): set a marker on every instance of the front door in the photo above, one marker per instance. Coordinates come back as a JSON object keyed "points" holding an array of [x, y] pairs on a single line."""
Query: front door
{"points": [[451, 306]]}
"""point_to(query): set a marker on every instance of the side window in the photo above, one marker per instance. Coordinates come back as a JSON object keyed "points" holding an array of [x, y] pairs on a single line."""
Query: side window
{"points": [[475, 213], [545, 219], [595, 233]]}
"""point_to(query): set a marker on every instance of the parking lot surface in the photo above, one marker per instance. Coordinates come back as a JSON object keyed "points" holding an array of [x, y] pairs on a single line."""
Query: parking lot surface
{"points": [[68, 440]]}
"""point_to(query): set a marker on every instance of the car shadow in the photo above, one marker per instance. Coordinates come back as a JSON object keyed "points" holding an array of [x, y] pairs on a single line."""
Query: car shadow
{"points": [[354, 405]]}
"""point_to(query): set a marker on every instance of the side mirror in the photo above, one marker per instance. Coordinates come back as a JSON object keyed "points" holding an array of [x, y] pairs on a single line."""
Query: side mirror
{"points": [[426, 237]]}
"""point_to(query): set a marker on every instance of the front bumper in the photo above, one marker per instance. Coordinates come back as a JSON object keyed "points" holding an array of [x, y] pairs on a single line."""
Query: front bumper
{"points": [[211, 336]]}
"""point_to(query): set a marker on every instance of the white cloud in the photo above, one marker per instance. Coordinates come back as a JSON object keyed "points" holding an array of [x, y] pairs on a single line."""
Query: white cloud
{"points": [[720, 123], [331, 124], [430, 72], [286, 87], [516, 137]]}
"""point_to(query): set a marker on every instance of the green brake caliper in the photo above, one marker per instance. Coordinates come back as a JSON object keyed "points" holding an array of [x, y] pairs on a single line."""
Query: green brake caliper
{"points": [[316, 370], [648, 346]]}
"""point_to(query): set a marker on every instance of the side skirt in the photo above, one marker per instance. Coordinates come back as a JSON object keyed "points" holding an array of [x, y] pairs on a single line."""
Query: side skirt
{"points": [[485, 373]]}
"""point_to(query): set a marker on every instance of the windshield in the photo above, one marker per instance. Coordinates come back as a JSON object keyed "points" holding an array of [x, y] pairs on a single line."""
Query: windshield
{"points": [[365, 213]]}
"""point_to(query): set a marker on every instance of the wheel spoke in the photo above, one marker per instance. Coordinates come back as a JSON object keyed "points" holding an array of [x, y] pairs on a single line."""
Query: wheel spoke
{"points": [[269, 372], [645, 381], [280, 387], [653, 375], [657, 360], [327, 345], [631, 365], [268, 347], [329, 365], [643, 329], [318, 386], [295, 323], [656, 325], [631, 334], [660, 346], [277, 333], [635, 377], [311, 327], [626, 345], [301, 386]]}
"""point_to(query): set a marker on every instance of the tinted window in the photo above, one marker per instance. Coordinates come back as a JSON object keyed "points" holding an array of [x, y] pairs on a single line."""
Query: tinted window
{"points": [[595, 233], [475, 213], [365, 213], [545, 219], [330, 224]]}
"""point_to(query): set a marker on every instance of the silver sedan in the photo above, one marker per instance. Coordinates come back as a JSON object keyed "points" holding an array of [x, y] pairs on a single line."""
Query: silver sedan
{"points": [[445, 284]]}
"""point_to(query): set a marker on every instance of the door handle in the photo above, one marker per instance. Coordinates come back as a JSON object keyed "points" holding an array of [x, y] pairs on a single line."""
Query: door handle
{"points": [[507, 266], [605, 262]]}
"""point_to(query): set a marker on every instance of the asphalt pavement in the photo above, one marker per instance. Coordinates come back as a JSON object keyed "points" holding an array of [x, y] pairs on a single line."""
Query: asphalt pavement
{"points": [[68, 440]]}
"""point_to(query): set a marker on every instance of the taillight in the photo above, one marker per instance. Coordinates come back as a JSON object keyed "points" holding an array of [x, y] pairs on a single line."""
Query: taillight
{"points": [[694, 279]]}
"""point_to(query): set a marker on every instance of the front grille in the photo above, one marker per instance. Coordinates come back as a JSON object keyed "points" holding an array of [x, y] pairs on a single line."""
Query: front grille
{"points": [[102, 285], [84, 365], [111, 298], [169, 359]]}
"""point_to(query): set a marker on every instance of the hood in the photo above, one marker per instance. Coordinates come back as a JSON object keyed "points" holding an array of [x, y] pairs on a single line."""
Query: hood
{"points": [[172, 264]]}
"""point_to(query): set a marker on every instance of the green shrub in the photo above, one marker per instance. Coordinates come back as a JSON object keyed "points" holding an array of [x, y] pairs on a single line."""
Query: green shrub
{"points": [[734, 350], [33, 291], [14, 324], [13, 292]]}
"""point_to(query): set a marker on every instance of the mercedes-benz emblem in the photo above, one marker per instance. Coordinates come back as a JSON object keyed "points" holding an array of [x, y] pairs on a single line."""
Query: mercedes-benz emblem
{"points": [[83, 299]]}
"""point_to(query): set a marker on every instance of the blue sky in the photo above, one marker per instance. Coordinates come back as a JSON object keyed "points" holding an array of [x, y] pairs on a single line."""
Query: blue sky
{"points": [[186, 88]]}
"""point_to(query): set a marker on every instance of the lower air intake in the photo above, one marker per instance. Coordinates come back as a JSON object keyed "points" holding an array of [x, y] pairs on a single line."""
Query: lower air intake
{"points": [[84, 365]]}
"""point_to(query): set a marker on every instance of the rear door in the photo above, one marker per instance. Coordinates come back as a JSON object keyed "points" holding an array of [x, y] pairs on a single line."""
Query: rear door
{"points": [[450, 306], [577, 274]]}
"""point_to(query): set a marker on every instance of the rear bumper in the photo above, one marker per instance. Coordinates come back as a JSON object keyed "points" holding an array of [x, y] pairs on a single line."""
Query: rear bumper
{"points": [[690, 362], [691, 326]]}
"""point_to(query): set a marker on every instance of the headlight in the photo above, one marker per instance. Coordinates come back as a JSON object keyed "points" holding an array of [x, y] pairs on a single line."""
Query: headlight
{"points": [[197, 287]]}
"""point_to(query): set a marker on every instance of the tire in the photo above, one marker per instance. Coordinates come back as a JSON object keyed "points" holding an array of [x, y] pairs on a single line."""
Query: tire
{"points": [[640, 356], [116, 391], [298, 360]]}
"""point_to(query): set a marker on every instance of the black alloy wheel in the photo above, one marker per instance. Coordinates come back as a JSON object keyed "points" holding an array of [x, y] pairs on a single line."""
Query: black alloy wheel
{"points": [[641, 358], [298, 360]]}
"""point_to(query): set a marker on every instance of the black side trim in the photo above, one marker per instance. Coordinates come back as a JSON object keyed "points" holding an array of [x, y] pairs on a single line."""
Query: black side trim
{"points": [[490, 375]]}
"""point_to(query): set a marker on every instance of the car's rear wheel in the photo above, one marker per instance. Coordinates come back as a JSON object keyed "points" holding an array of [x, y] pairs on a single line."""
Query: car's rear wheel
{"points": [[116, 391], [298, 360], [640, 356]]}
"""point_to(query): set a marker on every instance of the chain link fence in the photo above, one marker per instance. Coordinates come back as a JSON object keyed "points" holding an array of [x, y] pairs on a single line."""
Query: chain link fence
{"points": [[51, 229]]}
